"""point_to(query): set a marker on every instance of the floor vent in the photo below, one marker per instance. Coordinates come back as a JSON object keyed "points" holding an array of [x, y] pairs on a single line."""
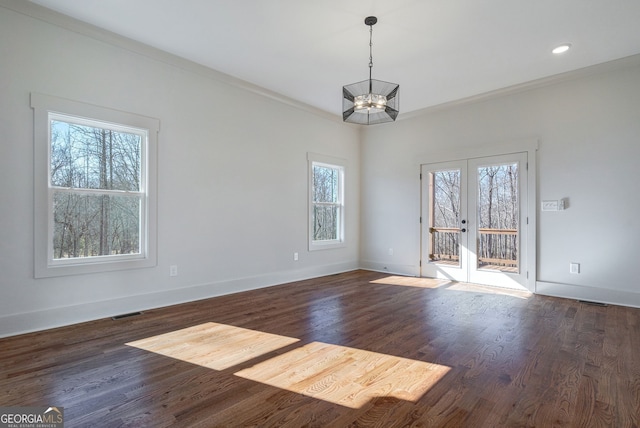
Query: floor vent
{"points": [[132, 314], [592, 303]]}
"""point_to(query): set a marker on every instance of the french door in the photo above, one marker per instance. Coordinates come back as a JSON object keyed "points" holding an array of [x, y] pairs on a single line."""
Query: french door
{"points": [[474, 220]]}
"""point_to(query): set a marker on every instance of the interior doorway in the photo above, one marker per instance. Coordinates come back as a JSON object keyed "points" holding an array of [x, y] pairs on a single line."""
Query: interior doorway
{"points": [[474, 220]]}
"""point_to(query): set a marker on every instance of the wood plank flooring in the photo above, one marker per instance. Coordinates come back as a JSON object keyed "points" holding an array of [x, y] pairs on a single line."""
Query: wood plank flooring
{"points": [[359, 349]]}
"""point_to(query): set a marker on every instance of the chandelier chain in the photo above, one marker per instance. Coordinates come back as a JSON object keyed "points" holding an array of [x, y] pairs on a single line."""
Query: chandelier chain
{"points": [[370, 50]]}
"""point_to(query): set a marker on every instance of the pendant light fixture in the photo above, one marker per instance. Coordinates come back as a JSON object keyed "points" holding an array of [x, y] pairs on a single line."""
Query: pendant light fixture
{"points": [[370, 101]]}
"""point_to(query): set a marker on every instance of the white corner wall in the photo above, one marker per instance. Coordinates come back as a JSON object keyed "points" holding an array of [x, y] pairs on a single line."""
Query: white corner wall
{"points": [[588, 130], [232, 199]]}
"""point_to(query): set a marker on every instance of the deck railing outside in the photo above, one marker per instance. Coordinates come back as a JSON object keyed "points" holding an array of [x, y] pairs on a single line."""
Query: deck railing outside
{"points": [[497, 248]]}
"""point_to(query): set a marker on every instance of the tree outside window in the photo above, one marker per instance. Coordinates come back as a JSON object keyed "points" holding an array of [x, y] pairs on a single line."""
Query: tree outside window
{"points": [[97, 189]]}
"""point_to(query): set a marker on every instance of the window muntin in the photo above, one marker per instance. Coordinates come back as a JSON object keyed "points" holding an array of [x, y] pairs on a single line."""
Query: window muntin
{"points": [[95, 188], [326, 223]]}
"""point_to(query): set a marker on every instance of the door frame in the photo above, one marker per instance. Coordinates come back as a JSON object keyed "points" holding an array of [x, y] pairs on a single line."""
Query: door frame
{"points": [[530, 146]]}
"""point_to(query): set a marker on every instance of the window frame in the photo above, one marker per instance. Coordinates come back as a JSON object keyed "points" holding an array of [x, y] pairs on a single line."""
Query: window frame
{"points": [[48, 108], [340, 165]]}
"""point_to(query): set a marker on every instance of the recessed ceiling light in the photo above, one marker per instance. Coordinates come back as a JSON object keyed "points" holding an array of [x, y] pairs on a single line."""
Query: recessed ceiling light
{"points": [[562, 48]]}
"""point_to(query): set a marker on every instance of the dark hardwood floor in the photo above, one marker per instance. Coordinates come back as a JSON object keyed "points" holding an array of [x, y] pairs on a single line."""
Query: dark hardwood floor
{"points": [[355, 349]]}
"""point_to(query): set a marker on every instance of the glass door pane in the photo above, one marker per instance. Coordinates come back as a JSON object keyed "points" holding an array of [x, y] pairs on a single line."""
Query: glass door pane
{"points": [[444, 217], [498, 218]]}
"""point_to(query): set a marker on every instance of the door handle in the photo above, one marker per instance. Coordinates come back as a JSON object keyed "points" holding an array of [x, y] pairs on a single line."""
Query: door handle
{"points": [[463, 230]]}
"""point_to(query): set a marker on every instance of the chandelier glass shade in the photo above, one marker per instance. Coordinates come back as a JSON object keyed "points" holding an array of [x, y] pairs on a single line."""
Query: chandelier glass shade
{"points": [[370, 101]]}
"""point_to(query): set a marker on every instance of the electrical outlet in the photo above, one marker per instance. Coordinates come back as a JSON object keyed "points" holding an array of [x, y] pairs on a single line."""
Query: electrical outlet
{"points": [[173, 270], [574, 267], [391, 251]]}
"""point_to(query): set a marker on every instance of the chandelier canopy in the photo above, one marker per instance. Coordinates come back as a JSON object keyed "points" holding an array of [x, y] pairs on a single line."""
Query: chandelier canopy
{"points": [[370, 101]]}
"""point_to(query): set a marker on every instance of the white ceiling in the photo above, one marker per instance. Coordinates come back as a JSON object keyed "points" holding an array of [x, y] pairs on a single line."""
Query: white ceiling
{"points": [[437, 50]]}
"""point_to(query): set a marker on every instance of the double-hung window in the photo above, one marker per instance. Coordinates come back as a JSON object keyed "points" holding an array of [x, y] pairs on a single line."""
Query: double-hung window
{"points": [[95, 188], [326, 202]]}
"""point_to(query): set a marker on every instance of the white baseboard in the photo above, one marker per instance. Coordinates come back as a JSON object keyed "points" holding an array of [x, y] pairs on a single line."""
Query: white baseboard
{"points": [[591, 294], [390, 268], [12, 325]]}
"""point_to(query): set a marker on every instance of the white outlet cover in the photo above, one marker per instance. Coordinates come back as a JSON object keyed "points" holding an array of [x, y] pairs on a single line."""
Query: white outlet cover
{"points": [[549, 206]]}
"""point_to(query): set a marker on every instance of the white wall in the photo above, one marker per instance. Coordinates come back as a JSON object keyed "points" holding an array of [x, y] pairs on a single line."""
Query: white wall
{"points": [[232, 175], [232, 200], [588, 130]]}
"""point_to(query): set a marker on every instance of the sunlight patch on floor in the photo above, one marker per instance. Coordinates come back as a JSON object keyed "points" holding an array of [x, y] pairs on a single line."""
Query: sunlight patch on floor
{"points": [[420, 282], [341, 375], [346, 376], [212, 345], [486, 289], [412, 281]]}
